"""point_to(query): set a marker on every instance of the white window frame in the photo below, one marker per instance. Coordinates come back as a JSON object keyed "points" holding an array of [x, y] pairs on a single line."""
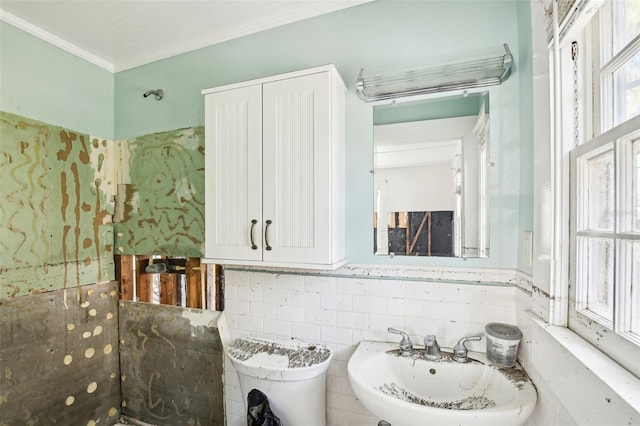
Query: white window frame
{"points": [[611, 62], [613, 338]]}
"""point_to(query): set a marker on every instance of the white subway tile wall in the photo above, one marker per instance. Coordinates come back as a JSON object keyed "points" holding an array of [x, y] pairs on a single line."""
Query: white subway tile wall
{"points": [[341, 311]]}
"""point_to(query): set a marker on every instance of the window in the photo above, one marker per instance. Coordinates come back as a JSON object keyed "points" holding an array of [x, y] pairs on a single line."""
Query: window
{"points": [[603, 124], [606, 235], [620, 61]]}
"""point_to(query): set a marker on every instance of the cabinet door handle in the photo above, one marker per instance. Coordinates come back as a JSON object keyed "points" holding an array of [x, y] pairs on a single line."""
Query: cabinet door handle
{"points": [[253, 245], [266, 235]]}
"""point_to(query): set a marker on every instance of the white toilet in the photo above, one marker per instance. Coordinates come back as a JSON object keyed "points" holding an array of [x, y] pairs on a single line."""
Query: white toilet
{"points": [[292, 374]]}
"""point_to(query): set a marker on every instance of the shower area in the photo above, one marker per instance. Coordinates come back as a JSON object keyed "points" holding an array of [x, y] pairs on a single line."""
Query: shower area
{"points": [[106, 313]]}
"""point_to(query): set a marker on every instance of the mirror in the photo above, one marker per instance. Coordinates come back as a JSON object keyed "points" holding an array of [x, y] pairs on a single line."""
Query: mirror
{"points": [[431, 160]]}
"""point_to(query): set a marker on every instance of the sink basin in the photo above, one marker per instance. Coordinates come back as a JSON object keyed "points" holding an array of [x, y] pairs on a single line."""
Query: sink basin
{"points": [[415, 391]]}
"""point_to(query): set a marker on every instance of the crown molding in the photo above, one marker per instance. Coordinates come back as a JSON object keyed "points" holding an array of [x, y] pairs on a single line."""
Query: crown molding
{"points": [[55, 40]]}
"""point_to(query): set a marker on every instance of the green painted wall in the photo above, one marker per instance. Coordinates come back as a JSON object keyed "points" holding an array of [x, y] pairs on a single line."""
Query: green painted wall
{"points": [[43, 82], [54, 208], [163, 201], [526, 129], [428, 109], [379, 35], [375, 35]]}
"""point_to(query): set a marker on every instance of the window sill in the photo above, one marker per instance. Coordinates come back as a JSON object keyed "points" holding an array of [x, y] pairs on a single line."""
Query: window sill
{"points": [[621, 382]]}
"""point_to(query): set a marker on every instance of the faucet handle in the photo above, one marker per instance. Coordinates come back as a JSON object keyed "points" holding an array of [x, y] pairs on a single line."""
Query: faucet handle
{"points": [[468, 339], [460, 351], [405, 344]]}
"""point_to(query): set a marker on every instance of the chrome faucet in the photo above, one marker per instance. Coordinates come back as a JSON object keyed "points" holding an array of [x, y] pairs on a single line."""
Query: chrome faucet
{"points": [[460, 351], [431, 348], [405, 344]]}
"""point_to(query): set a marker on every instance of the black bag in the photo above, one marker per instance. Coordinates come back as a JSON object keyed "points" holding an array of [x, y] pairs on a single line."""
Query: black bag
{"points": [[258, 411]]}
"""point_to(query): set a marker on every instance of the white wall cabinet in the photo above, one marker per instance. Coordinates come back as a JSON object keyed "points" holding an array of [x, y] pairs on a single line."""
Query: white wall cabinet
{"points": [[275, 170]]}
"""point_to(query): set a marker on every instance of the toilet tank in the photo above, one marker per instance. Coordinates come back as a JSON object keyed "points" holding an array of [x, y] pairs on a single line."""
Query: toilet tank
{"points": [[292, 374]]}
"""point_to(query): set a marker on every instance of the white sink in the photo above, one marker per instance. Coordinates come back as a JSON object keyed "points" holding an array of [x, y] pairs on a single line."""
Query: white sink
{"points": [[415, 391]]}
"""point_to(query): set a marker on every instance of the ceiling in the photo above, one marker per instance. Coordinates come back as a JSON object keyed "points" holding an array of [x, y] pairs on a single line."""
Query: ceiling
{"points": [[122, 34]]}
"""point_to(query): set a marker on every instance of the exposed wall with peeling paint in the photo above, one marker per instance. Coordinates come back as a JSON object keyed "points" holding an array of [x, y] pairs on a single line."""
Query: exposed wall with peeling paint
{"points": [[161, 194], [55, 207], [58, 329]]}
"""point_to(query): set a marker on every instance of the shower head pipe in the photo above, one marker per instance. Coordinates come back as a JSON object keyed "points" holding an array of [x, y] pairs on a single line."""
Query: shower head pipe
{"points": [[159, 94]]}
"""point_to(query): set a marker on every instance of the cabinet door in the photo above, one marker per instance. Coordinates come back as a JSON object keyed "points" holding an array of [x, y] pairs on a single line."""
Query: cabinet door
{"points": [[233, 171], [296, 178]]}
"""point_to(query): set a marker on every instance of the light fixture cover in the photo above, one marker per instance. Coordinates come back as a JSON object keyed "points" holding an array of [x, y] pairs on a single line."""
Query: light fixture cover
{"points": [[461, 75]]}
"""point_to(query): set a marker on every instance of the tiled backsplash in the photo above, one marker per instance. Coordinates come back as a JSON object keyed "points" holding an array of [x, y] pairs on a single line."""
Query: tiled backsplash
{"points": [[341, 309]]}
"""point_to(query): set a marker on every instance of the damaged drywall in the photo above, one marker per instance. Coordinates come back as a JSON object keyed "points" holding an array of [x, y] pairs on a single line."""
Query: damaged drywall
{"points": [[55, 207], [59, 357], [172, 365], [160, 206]]}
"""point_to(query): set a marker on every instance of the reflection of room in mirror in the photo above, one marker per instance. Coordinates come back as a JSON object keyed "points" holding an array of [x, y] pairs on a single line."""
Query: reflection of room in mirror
{"points": [[429, 177], [425, 233]]}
